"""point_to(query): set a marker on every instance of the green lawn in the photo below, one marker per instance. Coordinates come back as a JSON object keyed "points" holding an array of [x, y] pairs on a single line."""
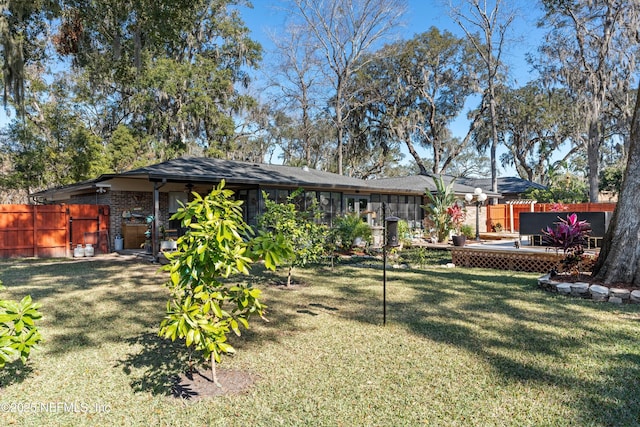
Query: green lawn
{"points": [[461, 348]]}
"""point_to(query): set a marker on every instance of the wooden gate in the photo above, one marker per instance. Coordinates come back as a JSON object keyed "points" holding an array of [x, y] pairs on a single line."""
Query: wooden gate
{"points": [[48, 231]]}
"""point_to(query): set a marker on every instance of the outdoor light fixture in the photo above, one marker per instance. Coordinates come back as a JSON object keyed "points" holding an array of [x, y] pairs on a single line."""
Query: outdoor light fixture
{"points": [[479, 197]]}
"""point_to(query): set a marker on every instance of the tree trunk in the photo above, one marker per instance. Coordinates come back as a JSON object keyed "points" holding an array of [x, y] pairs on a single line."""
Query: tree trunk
{"points": [[619, 259], [339, 120], [494, 136], [339, 148], [593, 158], [415, 155], [289, 276], [214, 374]]}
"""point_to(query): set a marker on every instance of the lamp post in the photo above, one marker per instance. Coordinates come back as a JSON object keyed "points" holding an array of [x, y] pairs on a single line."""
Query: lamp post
{"points": [[479, 197]]}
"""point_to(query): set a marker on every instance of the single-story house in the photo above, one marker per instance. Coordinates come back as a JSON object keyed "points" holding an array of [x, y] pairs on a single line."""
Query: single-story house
{"points": [[144, 199]]}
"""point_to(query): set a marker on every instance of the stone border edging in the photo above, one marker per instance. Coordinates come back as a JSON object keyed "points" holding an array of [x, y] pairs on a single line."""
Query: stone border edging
{"points": [[588, 291]]}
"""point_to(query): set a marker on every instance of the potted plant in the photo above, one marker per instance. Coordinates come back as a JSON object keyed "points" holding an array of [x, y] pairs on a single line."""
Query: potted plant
{"points": [[457, 215]]}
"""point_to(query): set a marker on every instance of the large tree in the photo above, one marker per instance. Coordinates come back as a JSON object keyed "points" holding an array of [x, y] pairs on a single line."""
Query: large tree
{"points": [[535, 121], [50, 144], [299, 81], [412, 91], [23, 27], [591, 50], [167, 72], [170, 68], [619, 259], [486, 25], [343, 31]]}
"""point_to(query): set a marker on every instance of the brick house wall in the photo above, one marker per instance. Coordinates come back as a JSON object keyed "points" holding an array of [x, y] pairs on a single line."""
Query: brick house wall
{"points": [[121, 201]]}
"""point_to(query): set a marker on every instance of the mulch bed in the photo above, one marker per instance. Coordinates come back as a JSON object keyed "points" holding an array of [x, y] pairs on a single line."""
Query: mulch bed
{"points": [[198, 384]]}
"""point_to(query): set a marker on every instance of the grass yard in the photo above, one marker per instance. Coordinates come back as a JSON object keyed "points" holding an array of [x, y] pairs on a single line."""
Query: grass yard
{"points": [[461, 348]]}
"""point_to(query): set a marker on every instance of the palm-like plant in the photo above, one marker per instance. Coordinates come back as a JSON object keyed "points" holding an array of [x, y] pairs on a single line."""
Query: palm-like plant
{"points": [[437, 208]]}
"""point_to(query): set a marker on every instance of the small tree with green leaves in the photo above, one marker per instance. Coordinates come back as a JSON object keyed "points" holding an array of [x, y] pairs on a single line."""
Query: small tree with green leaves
{"points": [[18, 332], [204, 305], [299, 228]]}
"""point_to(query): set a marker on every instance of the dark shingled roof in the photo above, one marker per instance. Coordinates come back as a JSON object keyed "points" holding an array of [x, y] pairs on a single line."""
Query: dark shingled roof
{"points": [[207, 170], [506, 185], [421, 183], [202, 169]]}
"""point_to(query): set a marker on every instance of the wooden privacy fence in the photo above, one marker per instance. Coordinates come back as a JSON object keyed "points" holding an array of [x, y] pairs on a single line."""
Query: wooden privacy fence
{"points": [[508, 214], [48, 231]]}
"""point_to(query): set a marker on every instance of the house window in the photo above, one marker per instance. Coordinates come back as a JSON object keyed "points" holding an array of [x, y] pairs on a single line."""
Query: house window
{"points": [[283, 196], [174, 198], [251, 207], [309, 199], [330, 205], [271, 194]]}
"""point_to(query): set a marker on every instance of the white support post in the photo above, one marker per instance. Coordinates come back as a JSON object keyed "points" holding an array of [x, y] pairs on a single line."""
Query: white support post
{"points": [[511, 222]]}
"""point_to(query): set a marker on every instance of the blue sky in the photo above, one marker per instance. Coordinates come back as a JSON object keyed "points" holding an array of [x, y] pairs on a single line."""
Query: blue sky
{"points": [[267, 17]]}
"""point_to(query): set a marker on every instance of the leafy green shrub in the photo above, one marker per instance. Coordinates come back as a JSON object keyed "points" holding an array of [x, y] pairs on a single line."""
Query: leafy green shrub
{"points": [[18, 332], [467, 230], [203, 308], [568, 189], [404, 233], [421, 257], [611, 178], [350, 227], [299, 229]]}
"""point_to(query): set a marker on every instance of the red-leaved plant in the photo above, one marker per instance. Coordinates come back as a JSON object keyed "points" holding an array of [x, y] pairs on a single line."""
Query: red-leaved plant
{"points": [[457, 215], [558, 207], [570, 235]]}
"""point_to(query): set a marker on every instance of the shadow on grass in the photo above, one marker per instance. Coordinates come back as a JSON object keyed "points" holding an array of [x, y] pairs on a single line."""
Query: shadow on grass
{"points": [[14, 373], [158, 364], [507, 321], [88, 303], [614, 400], [525, 334]]}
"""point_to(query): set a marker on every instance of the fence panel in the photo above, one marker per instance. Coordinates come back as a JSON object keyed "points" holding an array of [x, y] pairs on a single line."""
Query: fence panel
{"points": [[502, 213], [516, 214], [31, 231], [497, 214], [48, 230], [89, 224]]}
